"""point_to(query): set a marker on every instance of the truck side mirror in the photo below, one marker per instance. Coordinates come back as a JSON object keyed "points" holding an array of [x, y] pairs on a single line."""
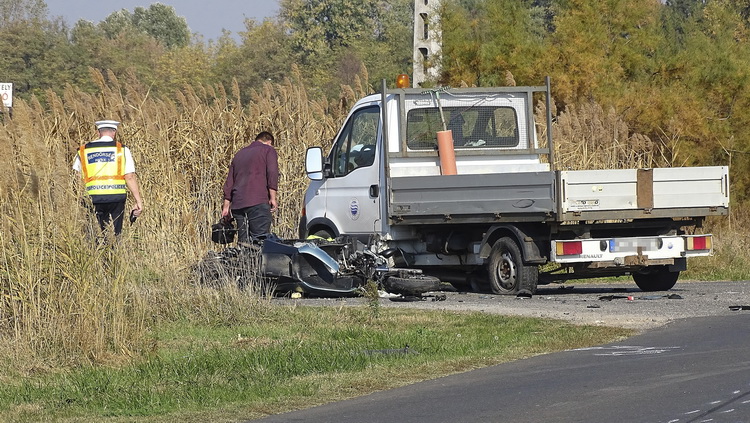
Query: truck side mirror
{"points": [[314, 163]]}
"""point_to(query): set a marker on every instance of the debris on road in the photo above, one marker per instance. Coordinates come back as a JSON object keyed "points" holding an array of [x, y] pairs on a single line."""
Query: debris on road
{"points": [[613, 297], [524, 294], [644, 297], [739, 307]]}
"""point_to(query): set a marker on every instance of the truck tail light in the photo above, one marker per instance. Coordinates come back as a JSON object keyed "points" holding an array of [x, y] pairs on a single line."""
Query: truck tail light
{"points": [[303, 213], [702, 242], [568, 248]]}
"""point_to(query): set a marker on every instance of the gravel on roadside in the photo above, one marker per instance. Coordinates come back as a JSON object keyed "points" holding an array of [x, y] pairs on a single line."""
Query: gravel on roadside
{"points": [[605, 304]]}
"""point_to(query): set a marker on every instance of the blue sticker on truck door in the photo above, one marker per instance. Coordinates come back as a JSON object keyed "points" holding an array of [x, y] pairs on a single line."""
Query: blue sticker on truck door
{"points": [[354, 209]]}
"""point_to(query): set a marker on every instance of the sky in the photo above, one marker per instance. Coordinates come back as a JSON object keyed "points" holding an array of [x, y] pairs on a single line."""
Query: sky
{"points": [[206, 17]]}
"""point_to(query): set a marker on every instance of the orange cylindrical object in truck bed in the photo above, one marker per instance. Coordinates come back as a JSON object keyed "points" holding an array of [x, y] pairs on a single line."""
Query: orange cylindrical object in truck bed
{"points": [[446, 152]]}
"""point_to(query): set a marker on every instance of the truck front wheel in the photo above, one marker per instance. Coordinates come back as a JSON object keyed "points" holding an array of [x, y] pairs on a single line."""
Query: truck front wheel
{"points": [[324, 233], [656, 280], [508, 274]]}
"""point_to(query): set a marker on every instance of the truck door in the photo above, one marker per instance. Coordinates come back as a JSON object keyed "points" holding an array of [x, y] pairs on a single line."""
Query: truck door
{"points": [[353, 190]]}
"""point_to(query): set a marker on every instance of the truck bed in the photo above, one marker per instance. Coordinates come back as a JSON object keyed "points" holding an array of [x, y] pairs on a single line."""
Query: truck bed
{"points": [[559, 195]]}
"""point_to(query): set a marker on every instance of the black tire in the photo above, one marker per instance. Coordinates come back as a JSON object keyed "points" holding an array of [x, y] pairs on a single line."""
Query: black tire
{"points": [[656, 280], [507, 272], [416, 285]]}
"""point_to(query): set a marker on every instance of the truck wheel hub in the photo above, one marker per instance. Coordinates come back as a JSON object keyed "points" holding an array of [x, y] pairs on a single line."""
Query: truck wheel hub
{"points": [[506, 271]]}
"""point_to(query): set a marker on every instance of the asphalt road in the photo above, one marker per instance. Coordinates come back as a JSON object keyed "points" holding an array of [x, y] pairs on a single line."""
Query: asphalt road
{"points": [[691, 370], [689, 364]]}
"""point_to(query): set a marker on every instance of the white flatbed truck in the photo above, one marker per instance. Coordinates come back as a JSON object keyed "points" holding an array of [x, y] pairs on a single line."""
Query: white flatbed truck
{"points": [[506, 213]]}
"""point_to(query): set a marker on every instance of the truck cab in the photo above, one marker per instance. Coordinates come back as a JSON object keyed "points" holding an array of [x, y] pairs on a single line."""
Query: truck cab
{"points": [[344, 196], [348, 194]]}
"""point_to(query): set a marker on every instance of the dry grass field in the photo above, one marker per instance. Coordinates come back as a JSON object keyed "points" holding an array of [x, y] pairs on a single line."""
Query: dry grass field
{"points": [[68, 300]]}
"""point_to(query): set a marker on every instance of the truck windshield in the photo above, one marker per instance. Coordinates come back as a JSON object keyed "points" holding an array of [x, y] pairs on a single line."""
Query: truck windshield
{"points": [[474, 127]]}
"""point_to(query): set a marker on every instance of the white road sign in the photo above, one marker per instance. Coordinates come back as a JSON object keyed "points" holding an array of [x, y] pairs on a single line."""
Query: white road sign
{"points": [[6, 92]]}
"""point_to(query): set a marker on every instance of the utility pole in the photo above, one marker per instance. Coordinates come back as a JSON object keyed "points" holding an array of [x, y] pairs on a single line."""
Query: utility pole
{"points": [[427, 36]]}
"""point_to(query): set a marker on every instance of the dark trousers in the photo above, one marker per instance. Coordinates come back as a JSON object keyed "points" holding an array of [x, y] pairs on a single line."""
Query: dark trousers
{"points": [[110, 212], [252, 222]]}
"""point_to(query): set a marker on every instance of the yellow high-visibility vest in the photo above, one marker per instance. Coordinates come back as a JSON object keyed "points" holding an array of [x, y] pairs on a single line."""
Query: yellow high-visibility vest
{"points": [[102, 168]]}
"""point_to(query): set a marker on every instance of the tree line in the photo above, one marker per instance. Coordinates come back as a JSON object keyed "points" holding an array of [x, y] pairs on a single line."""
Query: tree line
{"points": [[677, 71], [331, 41]]}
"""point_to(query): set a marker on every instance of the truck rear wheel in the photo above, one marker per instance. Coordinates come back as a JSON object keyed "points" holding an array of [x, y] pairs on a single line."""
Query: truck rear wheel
{"points": [[656, 280], [508, 274]]}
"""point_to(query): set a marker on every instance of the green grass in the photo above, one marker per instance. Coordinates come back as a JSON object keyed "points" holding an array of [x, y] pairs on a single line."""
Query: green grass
{"points": [[729, 263], [286, 359]]}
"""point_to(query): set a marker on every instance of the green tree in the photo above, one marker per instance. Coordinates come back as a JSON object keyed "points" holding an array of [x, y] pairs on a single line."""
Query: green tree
{"points": [[36, 56], [162, 23], [686, 8], [321, 25], [717, 67], [129, 51], [89, 45], [393, 41], [182, 67], [158, 21], [486, 39], [263, 55], [599, 47], [116, 22], [333, 40], [142, 44], [12, 11], [463, 37]]}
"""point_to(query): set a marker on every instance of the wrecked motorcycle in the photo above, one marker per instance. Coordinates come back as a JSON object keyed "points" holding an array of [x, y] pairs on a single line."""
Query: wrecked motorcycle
{"points": [[314, 267]]}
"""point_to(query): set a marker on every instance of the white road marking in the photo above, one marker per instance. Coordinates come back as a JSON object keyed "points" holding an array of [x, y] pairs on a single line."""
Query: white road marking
{"points": [[713, 403], [621, 350]]}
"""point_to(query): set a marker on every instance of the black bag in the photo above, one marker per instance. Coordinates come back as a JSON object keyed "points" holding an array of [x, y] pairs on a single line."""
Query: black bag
{"points": [[223, 232]]}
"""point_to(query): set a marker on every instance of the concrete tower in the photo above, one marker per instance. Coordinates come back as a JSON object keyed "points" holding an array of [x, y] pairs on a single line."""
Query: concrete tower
{"points": [[426, 41]]}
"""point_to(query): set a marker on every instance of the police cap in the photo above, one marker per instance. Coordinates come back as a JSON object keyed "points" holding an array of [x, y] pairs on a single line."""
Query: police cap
{"points": [[112, 124]]}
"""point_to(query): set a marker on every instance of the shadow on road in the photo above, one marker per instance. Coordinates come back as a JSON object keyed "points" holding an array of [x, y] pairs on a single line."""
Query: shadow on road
{"points": [[549, 290]]}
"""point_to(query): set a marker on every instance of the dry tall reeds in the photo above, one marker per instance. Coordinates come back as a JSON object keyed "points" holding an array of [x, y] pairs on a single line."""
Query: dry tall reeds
{"points": [[68, 299], [587, 137]]}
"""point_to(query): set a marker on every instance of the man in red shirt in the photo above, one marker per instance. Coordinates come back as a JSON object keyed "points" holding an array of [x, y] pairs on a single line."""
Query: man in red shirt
{"points": [[251, 186]]}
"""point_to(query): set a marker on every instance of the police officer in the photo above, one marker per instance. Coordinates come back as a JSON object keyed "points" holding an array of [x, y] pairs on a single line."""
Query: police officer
{"points": [[108, 171]]}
